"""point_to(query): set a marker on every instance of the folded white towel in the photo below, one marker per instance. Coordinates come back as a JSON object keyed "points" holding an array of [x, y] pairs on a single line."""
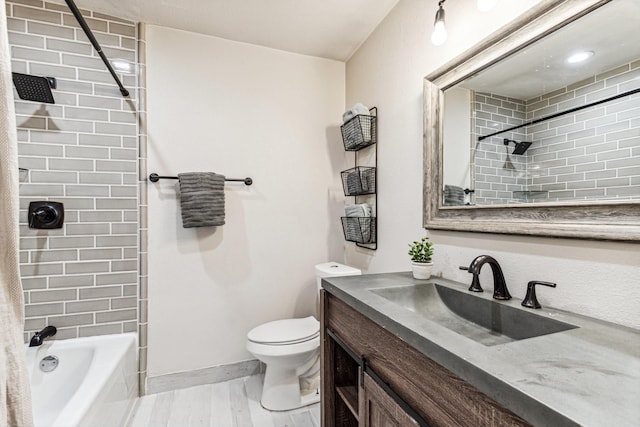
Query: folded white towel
{"points": [[361, 210], [354, 111]]}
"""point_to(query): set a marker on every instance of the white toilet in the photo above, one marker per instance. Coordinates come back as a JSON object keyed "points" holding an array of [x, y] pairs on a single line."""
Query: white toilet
{"points": [[290, 349]]}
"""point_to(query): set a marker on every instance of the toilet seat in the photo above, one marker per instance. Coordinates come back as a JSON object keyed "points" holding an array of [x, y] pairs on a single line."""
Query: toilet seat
{"points": [[286, 331]]}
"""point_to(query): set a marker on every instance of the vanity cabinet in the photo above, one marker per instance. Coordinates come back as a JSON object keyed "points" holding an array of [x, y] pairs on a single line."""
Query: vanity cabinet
{"points": [[372, 378], [378, 409]]}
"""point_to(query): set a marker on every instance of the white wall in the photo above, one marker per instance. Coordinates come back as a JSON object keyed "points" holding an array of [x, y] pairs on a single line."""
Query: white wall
{"points": [[240, 110], [457, 134], [599, 279]]}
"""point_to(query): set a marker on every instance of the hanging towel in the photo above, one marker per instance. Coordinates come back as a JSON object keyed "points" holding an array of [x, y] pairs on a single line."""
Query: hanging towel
{"points": [[453, 195], [201, 199], [15, 395]]}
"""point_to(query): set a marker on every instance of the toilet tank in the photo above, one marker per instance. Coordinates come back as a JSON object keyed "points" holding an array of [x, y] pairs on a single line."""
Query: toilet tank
{"points": [[332, 269]]}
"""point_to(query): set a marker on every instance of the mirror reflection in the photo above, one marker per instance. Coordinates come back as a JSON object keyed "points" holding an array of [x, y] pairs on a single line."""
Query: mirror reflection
{"points": [[559, 121]]}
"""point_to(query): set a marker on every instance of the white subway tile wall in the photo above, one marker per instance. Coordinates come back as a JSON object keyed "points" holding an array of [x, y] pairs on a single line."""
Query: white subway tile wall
{"points": [[82, 151], [592, 154]]}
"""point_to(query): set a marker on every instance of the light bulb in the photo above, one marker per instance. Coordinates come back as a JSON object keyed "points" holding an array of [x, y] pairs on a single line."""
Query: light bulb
{"points": [[486, 5], [439, 35]]}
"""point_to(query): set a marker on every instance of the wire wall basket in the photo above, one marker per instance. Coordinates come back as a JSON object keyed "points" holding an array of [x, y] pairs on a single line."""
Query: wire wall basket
{"points": [[359, 229], [359, 132], [359, 181]]}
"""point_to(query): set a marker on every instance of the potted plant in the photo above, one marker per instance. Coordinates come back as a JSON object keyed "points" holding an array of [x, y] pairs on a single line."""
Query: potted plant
{"points": [[421, 252]]}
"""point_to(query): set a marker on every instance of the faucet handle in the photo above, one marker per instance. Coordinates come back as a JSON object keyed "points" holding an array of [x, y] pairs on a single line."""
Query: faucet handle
{"points": [[530, 299]]}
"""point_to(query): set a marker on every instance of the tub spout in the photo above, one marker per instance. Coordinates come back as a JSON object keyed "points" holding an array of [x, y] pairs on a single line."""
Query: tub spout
{"points": [[39, 337]]}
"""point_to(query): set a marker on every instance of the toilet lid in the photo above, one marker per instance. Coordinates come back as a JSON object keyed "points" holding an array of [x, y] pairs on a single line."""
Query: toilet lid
{"points": [[286, 331]]}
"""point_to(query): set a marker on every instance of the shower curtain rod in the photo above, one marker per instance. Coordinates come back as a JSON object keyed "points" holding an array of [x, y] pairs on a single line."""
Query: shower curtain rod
{"points": [[562, 113], [154, 177], [96, 45]]}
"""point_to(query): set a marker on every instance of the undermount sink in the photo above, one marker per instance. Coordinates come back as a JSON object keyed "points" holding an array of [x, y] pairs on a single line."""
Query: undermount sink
{"points": [[482, 320]]}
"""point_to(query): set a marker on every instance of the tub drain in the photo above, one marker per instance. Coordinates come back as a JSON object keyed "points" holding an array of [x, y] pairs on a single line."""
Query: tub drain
{"points": [[49, 363]]}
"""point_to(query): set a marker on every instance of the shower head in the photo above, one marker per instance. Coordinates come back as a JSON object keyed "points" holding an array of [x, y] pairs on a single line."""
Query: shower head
{"points": [[34, 88], [521, 147]]}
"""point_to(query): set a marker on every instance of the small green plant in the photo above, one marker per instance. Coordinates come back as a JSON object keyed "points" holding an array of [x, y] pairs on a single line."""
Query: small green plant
{"points": [[421, 251]]}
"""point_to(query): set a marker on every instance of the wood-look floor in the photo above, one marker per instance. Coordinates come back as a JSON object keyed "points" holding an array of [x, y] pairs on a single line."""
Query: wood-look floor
{"points": [[233, 403]]}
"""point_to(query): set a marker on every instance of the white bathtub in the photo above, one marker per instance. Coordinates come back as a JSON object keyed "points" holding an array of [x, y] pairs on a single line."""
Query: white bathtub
{"points": [[94, 384]]}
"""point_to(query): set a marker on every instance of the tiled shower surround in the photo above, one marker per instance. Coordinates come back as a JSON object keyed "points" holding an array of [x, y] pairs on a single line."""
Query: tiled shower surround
{"points": [[591, 154], [495, 180], [82, 151]]}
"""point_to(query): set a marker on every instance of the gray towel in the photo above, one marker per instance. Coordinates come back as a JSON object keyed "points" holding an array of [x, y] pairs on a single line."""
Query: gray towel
{"points": [[354, 184], [453, 195], [359, 222], [201, 199]]}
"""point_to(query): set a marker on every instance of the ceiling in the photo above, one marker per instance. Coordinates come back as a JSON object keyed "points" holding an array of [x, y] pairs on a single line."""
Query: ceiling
{"points": [[331, 29], [610, 31]]}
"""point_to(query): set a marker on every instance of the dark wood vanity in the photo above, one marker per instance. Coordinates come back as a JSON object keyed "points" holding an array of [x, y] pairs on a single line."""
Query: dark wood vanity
{"points": [[370, 377]]}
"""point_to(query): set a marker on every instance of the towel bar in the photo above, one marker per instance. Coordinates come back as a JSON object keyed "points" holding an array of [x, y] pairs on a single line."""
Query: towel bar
{"points": [[154, 177]]}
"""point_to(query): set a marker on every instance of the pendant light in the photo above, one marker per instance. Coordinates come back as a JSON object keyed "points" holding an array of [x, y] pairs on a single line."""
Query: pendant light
{"points": [[439, 35]]}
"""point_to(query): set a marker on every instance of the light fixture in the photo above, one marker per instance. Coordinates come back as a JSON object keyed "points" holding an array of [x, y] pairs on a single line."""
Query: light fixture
{"points": [[580, 56], [439, 35], [486, 5]]}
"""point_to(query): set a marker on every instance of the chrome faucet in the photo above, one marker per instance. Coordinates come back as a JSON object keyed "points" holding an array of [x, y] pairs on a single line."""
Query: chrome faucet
{"points": [[500, 290], [39, 337]]}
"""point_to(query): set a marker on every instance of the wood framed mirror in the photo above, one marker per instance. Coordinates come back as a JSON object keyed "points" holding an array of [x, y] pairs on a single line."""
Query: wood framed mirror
{"points": [[578, 173]]}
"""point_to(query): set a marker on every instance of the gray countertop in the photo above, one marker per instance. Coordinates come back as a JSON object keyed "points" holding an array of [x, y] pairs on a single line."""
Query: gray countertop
{"points": [[588, 376]]}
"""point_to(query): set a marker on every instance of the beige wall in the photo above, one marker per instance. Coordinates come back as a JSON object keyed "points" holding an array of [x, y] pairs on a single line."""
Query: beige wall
{"points": [[599, 279], [239, 110], [458, 136]]}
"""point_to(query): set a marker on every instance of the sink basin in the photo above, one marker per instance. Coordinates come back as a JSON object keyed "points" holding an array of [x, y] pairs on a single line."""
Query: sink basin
{"points": [[482, 320]]}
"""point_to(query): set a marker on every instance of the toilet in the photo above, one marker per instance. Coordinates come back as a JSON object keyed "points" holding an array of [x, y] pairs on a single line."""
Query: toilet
{"points": [[290, 349]]}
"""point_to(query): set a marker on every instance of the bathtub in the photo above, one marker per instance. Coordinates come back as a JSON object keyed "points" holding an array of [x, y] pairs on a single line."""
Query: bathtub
{"points": [[95, 382]]}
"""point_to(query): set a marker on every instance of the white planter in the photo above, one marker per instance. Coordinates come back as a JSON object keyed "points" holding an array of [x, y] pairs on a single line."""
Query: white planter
{"points": [[421, 270]]}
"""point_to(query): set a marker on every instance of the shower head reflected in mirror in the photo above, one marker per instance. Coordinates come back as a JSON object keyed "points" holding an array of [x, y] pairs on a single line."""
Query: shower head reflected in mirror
{"points": [[520, 147]]}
